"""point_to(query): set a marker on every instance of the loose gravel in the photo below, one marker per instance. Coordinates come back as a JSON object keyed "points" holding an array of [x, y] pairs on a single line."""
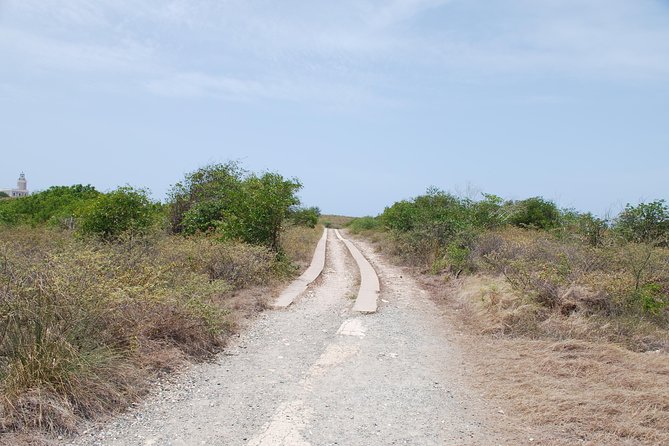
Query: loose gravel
{"points": [[319, 374]]}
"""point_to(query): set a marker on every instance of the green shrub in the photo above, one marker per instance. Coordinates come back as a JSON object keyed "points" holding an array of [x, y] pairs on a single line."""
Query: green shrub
{"points": [[224, 199], [304, 216], [489, 213], [364, 224], [652, 297], [124, 210], [644, 223], [535, 213], [57, 206]]}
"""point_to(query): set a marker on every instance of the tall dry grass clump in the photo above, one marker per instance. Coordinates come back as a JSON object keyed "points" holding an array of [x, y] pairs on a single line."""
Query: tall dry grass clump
{"points": [[83, 321], [563, 288], [298, 244]]}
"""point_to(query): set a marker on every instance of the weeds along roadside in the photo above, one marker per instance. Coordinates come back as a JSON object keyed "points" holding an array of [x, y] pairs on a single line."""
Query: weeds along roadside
{"points": [[84, 322], [565, 321], [101, 291]]}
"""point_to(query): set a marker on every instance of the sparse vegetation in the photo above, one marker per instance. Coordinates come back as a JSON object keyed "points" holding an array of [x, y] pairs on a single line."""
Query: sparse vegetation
{"points": [[335, 221], [556, 304], [96, 296], [559, 260]]}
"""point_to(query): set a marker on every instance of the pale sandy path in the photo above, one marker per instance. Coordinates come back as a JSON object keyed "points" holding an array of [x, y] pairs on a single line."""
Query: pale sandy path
{"points": [[319, 374]]}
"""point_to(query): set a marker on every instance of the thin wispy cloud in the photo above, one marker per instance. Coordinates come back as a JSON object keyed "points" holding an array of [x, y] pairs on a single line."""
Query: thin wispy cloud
{"points": [[438, 92], [244, 49]]}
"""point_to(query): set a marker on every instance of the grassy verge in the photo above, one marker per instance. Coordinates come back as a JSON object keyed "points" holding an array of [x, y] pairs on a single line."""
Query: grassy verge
{"points": [[334, 221], [85, 324], [569, 340], [299, 243]]}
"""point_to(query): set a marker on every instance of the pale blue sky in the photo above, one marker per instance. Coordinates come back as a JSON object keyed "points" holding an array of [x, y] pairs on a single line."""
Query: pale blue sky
{"points": [[366, 101]]}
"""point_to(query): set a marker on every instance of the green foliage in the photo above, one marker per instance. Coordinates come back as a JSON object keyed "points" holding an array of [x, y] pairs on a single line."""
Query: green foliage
{"points": [[644, 223], [204, 198], [4, 195], [652, 297], [266, 202], [592, 228], [437, 214], [56, 206], [589, 228], [305, 216], [536, 213], [426, 227], [457, 255], [489, 213], [364, 224], [124, 210], [224, 199]]}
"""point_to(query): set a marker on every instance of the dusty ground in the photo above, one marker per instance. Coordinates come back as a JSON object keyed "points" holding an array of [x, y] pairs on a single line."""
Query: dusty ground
{"points": [[567, 391], [319, 374]]}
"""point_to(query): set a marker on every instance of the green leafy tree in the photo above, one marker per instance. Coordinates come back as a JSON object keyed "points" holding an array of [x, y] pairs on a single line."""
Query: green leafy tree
{"points": [[124, 210], [536, 213], [268, 201], [224, 199], [3, 195], [58, 206], [305, 216], [644, 223], [204, 199]]}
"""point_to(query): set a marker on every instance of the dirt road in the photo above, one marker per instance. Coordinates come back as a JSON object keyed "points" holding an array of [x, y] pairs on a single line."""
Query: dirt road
{"points": [[317, 373]]}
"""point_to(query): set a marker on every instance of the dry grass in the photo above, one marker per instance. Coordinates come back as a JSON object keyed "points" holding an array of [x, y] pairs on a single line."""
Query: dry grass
{"points": [[83, 324], [576, 391], [571, 342], [562, 389], [299, 243], [334, 221]]}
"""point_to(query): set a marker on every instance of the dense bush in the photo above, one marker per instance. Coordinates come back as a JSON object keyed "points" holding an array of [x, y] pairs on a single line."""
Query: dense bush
{"points": [[562, 260], [304, 216], [364, 224], [223, 199], [56, 206], [437, 229], [535, 213], [645, 223], [124, 210]]}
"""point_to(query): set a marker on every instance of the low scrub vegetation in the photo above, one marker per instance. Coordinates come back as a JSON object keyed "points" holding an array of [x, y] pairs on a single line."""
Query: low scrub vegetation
{"points": [[557, 260], [565, 315], [335, 221], [99, 291]]}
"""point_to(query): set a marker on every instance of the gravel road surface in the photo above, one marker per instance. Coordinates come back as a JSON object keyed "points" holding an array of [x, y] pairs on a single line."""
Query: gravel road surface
{"points": [[317, 373]]}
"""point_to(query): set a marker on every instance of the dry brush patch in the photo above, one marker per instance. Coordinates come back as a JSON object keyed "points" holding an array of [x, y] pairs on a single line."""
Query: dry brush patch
{"points": [[83, 324], [335, 221], [566, 384], [571, 341], [299, 243]]}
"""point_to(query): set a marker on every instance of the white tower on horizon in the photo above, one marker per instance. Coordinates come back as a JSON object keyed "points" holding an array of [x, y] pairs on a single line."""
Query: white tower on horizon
{"points": [[21, 188], [22, 183]]}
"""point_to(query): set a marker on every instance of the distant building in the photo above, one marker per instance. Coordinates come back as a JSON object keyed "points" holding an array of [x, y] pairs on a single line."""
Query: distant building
{"points": [[21, 188]]}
